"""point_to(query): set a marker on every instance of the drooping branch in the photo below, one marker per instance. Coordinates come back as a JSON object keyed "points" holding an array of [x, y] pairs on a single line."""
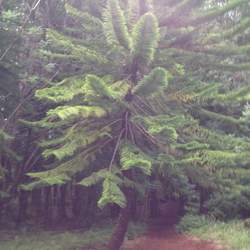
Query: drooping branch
{"points": [[147, 135]]}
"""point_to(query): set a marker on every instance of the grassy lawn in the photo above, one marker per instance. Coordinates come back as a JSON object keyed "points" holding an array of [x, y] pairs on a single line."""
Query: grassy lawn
{"points": [[234, 235], [66, 240]]}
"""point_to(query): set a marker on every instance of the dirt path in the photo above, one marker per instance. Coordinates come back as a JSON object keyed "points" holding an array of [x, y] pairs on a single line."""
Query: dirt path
{"points": [[168, 239], [162, 235]]}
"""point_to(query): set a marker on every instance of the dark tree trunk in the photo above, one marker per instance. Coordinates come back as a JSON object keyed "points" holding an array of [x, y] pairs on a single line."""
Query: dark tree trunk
{"points": [[203, 199], [84, 205], [77, 202], [91, 206], [134, 206], [182, 206], [47, 203], [23, 205], [120, 230], [1, 211], [62, 214], [114, 211], [154, 204], [36, 200]]}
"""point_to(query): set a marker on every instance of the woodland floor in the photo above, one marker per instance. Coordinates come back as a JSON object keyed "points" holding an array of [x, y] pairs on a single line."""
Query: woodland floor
{"points": [[163, 236], [159, 238]]}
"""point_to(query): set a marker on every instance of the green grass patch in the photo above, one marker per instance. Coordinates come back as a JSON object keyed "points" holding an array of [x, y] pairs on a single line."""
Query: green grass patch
{"points": [[234, 235], [64, 240]]}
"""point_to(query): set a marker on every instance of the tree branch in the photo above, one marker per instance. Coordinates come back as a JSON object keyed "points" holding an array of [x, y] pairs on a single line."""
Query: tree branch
{"points": [[33, 8], [116, 149]]}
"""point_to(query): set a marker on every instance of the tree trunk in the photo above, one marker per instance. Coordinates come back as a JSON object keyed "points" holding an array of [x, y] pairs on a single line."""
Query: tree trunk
{"points": [[47, 203], [154, 204], [114, 211], [1, 211], [62, 214], [22, 210], [182, 206], [91, 206], [203, 199], [77, 201], [120, 230], [134, 206], [36, 200]]}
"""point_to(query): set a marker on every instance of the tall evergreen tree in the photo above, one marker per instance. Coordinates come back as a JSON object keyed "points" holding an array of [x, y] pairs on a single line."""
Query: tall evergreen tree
{"points": [[138, 94]]}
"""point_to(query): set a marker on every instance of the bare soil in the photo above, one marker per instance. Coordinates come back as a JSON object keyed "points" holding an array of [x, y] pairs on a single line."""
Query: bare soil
{"points": [[168, 239], [163, 236]]}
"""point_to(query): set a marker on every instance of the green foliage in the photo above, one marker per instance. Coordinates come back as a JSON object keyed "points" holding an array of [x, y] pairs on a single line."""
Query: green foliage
{"points": [[190, 222], [225, 158], [63, 91], [176, 121], [96, 236], [73, 141], [217, 140], [133, 12], [115, 26], [168, 133], [145, 38], [64, 46], [2, 173], [135, 230], [164, 126], [111, 193], [99, 87], [4, 137], [228, 206], [246, 223], [174, 180], [133, 157], [157, 80], [246, 113], [240, 27], [49, 179], [156, 102], [5, 148], [94, 178], [232, 234], [213, 13], [70, 112], [89, 23], [192, 146], [10, 93], [60, 174]]}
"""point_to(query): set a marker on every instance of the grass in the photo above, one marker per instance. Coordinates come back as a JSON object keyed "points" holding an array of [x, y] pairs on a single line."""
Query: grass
{"points": [[66, 240], [233, 235]]}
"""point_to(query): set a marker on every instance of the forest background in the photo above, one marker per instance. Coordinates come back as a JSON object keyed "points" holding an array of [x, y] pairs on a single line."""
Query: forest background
{"points": [[111, 108]]}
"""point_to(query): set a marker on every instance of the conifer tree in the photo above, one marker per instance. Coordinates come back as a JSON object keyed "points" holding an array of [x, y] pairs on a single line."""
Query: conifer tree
{"points": [[137, 87], [9, 91]]}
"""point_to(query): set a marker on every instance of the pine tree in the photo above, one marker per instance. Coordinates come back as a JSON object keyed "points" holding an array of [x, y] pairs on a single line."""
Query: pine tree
{"points": [[9, 90], [138, 87]]}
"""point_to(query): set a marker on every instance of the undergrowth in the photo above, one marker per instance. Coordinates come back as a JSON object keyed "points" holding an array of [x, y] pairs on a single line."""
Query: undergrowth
{"points": [[64, 240], [234, 235]]}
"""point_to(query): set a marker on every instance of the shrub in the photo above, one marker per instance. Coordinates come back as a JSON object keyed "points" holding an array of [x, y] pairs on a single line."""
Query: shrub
{"points": [[189, 222], [97, 236], [233, 235], [247, 223], [229, 206]]}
